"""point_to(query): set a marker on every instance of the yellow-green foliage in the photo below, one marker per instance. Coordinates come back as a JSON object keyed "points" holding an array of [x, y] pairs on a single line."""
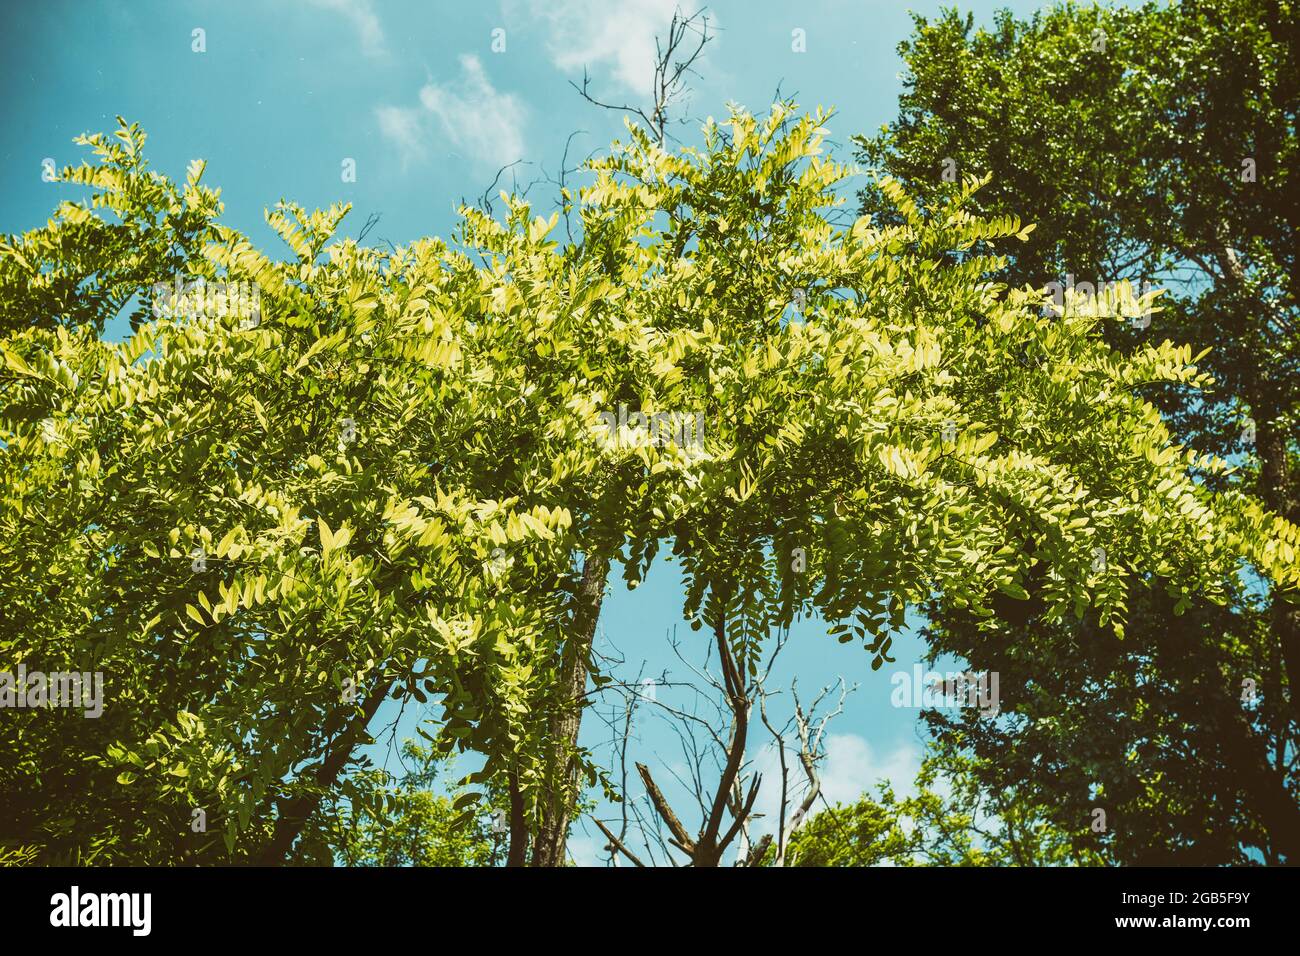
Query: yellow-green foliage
{"points": [[381, 486]]}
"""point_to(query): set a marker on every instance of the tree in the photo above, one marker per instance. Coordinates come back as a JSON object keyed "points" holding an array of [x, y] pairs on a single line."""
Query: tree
{"points": [[957, 824], [82, 269], [401, 822], [258, 530], [676, 54], [789, 403], [1151, 144]]}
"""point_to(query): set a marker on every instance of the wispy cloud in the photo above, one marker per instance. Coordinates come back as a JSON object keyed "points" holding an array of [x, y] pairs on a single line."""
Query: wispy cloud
{"points": [[585, 850], [469, 113], [401, 126], [617, 40], [851, 768], [362, 17], [486, 124]]}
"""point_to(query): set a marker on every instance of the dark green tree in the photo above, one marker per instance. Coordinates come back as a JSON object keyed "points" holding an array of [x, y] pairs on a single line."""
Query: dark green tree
{"points": [[1151, 144], [951, 820]]}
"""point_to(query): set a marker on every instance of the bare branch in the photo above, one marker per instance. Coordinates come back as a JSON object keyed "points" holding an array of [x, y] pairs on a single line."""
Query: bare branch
{"points": [[682, 838], [675, 57], [616, 843], [371, 221]]}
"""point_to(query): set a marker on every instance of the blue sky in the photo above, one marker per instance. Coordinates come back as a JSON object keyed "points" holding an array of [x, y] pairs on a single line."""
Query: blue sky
{"points": [[413, 92]]}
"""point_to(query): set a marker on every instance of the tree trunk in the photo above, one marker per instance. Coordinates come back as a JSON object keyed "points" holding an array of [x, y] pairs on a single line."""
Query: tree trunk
{"points": [[1242, 750], [1275, 489], [1267, 788], [557, 807], [1275, 480], [518, 852], [295, 813]]}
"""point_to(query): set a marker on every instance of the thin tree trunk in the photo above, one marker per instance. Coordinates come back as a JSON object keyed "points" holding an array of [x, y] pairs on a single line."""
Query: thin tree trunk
{"points": [[518, 852], [557, 808], [295, 813], [1275, 489], [1269, 796], [1275, 480], [709, 847]]}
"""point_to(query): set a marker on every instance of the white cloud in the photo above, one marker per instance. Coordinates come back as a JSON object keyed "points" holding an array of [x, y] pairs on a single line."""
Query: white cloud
{"points": [[361, 15], [469, 113], [619, 39], [401, 126], [851, 768], [485, 123], [586, 851]]}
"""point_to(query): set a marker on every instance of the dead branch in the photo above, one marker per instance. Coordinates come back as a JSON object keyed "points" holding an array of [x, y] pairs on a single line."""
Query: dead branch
{"points": [[675, 58]]}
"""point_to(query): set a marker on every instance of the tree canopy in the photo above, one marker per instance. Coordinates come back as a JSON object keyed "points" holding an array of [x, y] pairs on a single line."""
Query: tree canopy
{"points": [[259, 528], [1153, 143]]}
